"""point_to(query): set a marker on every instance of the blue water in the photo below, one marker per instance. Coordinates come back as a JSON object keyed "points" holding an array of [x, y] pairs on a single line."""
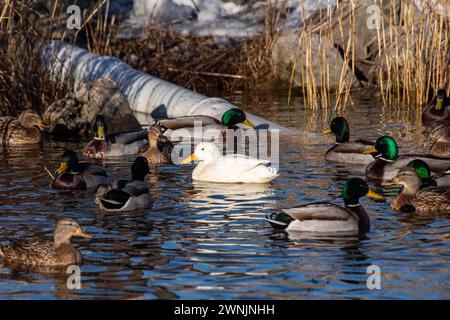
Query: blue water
{"points": [[208, 241]]}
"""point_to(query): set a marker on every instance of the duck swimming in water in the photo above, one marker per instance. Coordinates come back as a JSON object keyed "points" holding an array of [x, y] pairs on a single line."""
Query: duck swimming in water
{"points": [[388, 163], [127, 195], [328, 218], [231, 168], [76, 175], [118, 144], [414, 198], [27, 129], [438, 109], [39, 252], [345, 151], [159, 147], [230, 119], [423, 170]]}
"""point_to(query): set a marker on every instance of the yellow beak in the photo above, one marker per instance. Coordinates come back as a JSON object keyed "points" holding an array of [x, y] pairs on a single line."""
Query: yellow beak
{"points": [[371, 150], [249, 123], [42, 126], [62, 168], [373, 194], [439, 104], [83, 234], [327, 131], [189, 159], [389, 183], [101, 132]]}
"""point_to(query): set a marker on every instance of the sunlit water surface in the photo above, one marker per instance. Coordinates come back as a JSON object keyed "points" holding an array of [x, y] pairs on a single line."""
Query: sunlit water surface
{"points": [[203, 241]]}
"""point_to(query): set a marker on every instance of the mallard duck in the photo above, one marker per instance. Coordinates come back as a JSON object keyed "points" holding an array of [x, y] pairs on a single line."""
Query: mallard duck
{"points": [[127, 195], [117, 144], [326, 217], [423, 170], [229, 119], [159, 147], [76, 175], [438, 137], [345, 151], [428, 200], [37, 252], [232, 168], [387, 161], [438, 109], [27, 129]]}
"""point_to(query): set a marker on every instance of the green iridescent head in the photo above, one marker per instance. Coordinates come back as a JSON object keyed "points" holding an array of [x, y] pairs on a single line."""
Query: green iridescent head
{"points": [[356, 188], [340, 128], [234, 116], [421, 167], [387, 147], [440, 99]]}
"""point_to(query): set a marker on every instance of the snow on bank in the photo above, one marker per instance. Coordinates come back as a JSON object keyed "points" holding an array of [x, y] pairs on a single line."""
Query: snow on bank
{"points": [[218, 18]]}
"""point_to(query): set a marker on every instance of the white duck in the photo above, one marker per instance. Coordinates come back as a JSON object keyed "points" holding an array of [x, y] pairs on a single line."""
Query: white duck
{"points": [[232, 168]]}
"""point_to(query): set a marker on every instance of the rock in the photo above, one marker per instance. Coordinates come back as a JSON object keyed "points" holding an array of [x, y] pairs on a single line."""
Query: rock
{"points": [[286, 52], [73, 117], [329, 48]]}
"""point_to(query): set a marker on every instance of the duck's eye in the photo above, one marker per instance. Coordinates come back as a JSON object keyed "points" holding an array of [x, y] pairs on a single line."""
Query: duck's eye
{"points": [[203, 149]]}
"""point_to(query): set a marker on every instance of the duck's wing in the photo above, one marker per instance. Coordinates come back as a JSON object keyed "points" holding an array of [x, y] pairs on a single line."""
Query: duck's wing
{"points": [[29, 251], [67, 180], [165, 146], [186, 121], [127, 137], [318, 211], [136, 188], [433, 199]]}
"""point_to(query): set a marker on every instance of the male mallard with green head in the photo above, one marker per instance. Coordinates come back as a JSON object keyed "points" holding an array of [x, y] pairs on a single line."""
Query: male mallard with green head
{"points": [[27, 129], [127, 195], [328, 218], [438, 109], [345, 151], [413, 198], [388, 163], [38, 252], [76, 175], [230, 119], [423, 170], [117, 144]]}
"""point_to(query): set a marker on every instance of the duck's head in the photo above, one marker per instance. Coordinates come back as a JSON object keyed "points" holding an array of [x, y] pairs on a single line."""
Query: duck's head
{"points": [[339, 127], [100, 127], [440, 99], [31, 119], [421, 167], [67, 228], [69, 162], [205, 151], [408, 178], [386, 147], [356, 188], [234, 116], [154, 132], [140, 168]]}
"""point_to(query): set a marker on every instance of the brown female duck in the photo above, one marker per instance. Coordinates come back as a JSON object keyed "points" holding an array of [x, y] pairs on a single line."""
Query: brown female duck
{"points": [[413, 198], [38, 252], [159, 148], [27, 129], [438, 136]]}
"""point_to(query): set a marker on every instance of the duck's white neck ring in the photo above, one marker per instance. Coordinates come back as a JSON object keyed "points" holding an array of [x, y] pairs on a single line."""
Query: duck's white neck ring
{"points": [[97, 138], [353, 205], [386, 159]]}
